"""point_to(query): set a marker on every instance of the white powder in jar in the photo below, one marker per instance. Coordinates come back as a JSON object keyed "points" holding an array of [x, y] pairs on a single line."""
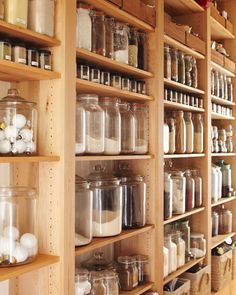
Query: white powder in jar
{"points": [[95, 146], [141, 146], [122, 56], [81, 240], [112, 146], [79, 148], [106, 223]]}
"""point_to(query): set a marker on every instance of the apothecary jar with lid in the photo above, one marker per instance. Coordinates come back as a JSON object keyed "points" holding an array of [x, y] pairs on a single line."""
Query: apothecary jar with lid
{"points": [[18, 226], [18, 125]]}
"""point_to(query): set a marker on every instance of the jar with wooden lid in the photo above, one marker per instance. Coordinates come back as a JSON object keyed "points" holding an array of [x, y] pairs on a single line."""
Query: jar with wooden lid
{"points": [[198, 134], [128, 273], [84, 26], [180, 132], [225, 221], [16, 12], [189, 132]]}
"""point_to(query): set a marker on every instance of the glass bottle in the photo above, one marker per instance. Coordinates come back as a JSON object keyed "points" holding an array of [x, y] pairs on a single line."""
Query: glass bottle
{"points": [[174, 64], [166, 261], [230, 89], [221, 86], [84, 27], [133, 47], [189, 132], [172, 135], [217, 84], [180, 243], [190, 191], [215, 223], [109, 27], [180, 133], [172, 248], [212, 82], [229, 144], [98, 285], [121, 43], [198, 188], [198, 134], [181, 68], [188, 70], [111, 282], [82, 284], [197, 245], [194, 73], [142, 265], [225, 221], [16, 12], [168, 195], [225, 88], [185, 230], [166, 138], [98, 33], [167, 62], [214, 184], [142, 51], [226, 178], [80, 137], [128, 273]]}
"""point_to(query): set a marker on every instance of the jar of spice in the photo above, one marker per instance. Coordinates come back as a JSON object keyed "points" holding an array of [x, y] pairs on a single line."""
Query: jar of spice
{"points": [[19, 53], [45, 59], [84, 26], [189, 132], [172, 248], [174, 64], [32, 57], [225, 221], [5, 50], [190, 191], [225, 88], [95, 76], [111, 282], [167, 62], [82, 284], [180, 133], [125, 84], [105, 78], [181, 68], [98, 32], [198, 188], [215, 223], [168, 196], [142, 265], [133, 47], [128, 273], [121, 43], [188, 70], [109, 27], [198, 134], [172, 135], [116, 81], [194, 73], [98, 284]]}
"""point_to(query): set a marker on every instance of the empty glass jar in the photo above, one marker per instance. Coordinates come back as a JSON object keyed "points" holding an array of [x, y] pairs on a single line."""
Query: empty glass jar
{"points": [[84, 27], [98, 33], [121, 43], [111, 282]]}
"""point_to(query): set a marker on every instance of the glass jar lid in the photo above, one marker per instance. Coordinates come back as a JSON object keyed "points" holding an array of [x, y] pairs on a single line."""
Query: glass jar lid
{"points": [[13, 98], [109, 274], [17, 191], [196, 236], [108, 100], [99, 177], [141, 258], [126, 260], [96, 276], [81, 182], [97, 262], [125, 174], [84, 97]]}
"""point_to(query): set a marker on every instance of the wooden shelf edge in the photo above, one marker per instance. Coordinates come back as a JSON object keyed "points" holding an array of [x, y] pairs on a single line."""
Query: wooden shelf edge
{"points": [[179, 86], [223, 154], [138, 290], [217, 240], [187, 214], [101, 242], [223, 201], [179, 156], [180, 106], [222, 32], [216, 116], [29, 159], [41, 261], [222, 69], [181, 7], [114, 158], [221, 101]]}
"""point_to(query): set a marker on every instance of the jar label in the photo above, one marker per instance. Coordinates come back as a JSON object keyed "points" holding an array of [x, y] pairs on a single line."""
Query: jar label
{"points": [[47, 67], [35, 63], [21, 21], [7, 57], [22, 60]]}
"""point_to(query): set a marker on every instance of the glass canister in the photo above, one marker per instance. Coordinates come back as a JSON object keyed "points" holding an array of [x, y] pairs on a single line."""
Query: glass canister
{"points": [[16, 12], [142, 265], [133, 47], [83, 212], [98, 284], [217, 84], [225, 88], [188, 70], [221, 86], [172, 248], [172, 135], [226, 178], [180, 133], [166, 135], [109, 26], [134, 192], [19, 53], [179, 192], [80, 137], [168, 195], [128, 273], [5, 49], [180, 244], [194, 73], [215, 223], [18, 120], [198, 187], [112, 125], [185, 230], [45, 60], [107, 203], [84, 26], [230, 89], [198, 146], [98, 32], [225, 221], [111, 282], [189, 132], [97, 262], [82, 284], [33, 57], [167, 62], [121, 43], [190, 191], [18, 226], [94, 123], [198, 245], [142, 51], [41, 15], [181, 68], [174, 64], [166, 262]]}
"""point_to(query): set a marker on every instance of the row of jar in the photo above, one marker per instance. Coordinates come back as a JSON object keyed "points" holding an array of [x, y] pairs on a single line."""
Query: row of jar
{"points": [[180, 67], [96, 75], [222, 221], [36, 15], [221, 86], [19, 53], [103, 35], [183, 133], [110, 126], [106, 203], [222, 110], [183, 98], [222, 139]]}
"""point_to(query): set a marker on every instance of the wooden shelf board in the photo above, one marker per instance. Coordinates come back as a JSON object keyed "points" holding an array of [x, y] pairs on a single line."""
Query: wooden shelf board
{"points": [[84, 86], [110, 64], [179, 156], [223, 201], [29, 159], [138, 290], [180, 7], [11, 71], [41, 261], [222, 69], [179, 86], [172, 42], [180, 106], [119, 14], [216, 116], [187, 214], [217, 240], [219, 32], [29, 36], [114, 158], [222, 101], [101, 242], [183, 269], [223, 154]]}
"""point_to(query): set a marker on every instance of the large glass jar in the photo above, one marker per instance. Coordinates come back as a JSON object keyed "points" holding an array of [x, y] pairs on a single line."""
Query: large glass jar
{"points": [[107, 203], [172, 135], [185, 230], [82, 284], [198, 187], [217, 84], [133, 47], [16, 12], [121, 43], [142, 50], [142, 265], [168, 195], [97, 262], [128, 273], [226, 178], [98, 284], [18, 120], [225, 88], [197, 245], [180, 133], [83, 212], [188, 70], [198, 145], [214, 184], [189, 132], [194, 73], [84, 27], [127, 128], [230, 89], [98, 32], [111, 282], [172, 248], [180, 243], [141, 128], [215, 223], [174, 64], [109, 26], [134, 197], [112, 125], [181, 68], [94, 123], [167, 62], [80, 134], [212, 82], [166, 135], [166, 262], [190, 191], [221, 86], [18, 226], [225, 221]]}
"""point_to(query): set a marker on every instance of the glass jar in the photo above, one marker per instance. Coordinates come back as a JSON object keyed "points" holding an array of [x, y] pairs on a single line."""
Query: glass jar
{"points": [[225, 221], [166, 262], [107, 203], [172, 135], [172, 248], [221, 86], [127, 129], [112, 125], [174, 64], [133, 86], [94, 123], [230, 89], [83, 212], [212, 82], [18, 226], [105, 78], [194, 73], [83, 72], [225, 88], [198, 188], [142, 51], [133, 47], [189, 132], [95, 75], [181, 68], [45, 60], [98, 33], [197, 245], [19, 53], [97, 262], [125, 84], [109, 27], [18, 120], [226, 178], [215, 223], [180, 133], [190, 191], [198, 134], [185, 230], [180, 244], [84, 26], [16, 12], [217, 84], [128, 273], [121, 43], [80, 137], [82, 284], [229, 144], [111, 282], [32, 57], [140, 112], [167, 62], [116, 81], [166, 134], [168, 196], [5, 50], [98, 284], [142, 265], [134, 192], [188, 70], [141, 87]]}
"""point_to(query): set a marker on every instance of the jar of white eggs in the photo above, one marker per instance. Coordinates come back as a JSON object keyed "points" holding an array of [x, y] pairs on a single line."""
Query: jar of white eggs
{"points": [[18, 125], [18, 226]]}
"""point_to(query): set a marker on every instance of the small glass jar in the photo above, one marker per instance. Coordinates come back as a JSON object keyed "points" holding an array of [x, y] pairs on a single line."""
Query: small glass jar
{"points": [[121, 43], [180, 133], [116, 81], [133, 85], [19, 53], [16, 12], [198, 188], [168, 196], [45, 60], [32, 57], [83, 208], [172, 248], [142, 51], [167, 62], [142, 265], [194, 73], [175, 96], [185, 230], [18, 226], [80, 135], [197, 245], [215, 223], [111, 282], [83, 72], [229, 144], [166, 138], [180, 97], [98, 284], [98, 33], [109, 26], [105, 78], [174, 64], [188, 70], [181, 68], [225, 221], [189, 132], [172, 135], [128, 273], [95, 75], [133, 47], [198, 134], [5, 50], [84, 27], [125, 84], [190, 191], [82, 284], [141, 87]]}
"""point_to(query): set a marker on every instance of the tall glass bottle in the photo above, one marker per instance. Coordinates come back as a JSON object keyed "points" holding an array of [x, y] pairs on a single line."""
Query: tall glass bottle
{"points": [[109, 26], [189, 132], [190, 191], [98, 33], [180, 133], [198, 188], [188, 70], [181, 68], [142, 51], [172, 253], [172, 135], [174, 64], [167, 62], [133, 47], [198, 134], [194, 73], [185, 229]]}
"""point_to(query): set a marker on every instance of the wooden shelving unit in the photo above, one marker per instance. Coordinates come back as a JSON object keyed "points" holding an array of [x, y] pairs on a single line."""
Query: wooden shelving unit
{"points": [[222, 69], [180, 106], [223, 201], [139, 290], [223, 154], [222, 101], [185, 215], [216, 116], [183, 156], [219, 32], [114, 158], [29, 159], [182, 7], [182, 87], [217, 240]]}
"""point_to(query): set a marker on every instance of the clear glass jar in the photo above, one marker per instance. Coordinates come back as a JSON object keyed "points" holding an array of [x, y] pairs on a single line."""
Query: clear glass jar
{"points": [[16, 12], [217, 84], [212, 82], [142, 265], [128, 273], [229, 144], [225, 221], [226, 178], [84, 27], [109, 26], [198, 134], [215, 223], [214, 184], [94, 123], [194, 73], [105, 78], [172, 248], [112, 125], [166, 135], [189, 132], [98, 33], [111, 282], [18, 226], [197, 245], [181, 68], [19, 53], [116, 81], [140, 112], [172, 135], [98, 284], [185, 230], [125, 83], [188, 70], [45, 60], [133, 47], [225, 88], [180, 243], [32, 57], [95, 75], [83, 212], [174, 64], [107, 203], [18, 120], [230, 89], [121, 43], [222, 86], [5, 50], [180, 133], [80, 136], [167, 62], [166, 262], [168, 196], [190, 191], [142, 51], [134, 192], [82, 284], [97, 262], [198, 188]]}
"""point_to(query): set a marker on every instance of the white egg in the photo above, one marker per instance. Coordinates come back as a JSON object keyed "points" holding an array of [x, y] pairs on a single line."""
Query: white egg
{"points": [[30, 147], [32, 251], [2, 135], [26, 134], [11, 131], [19, 146], [29, 241], [19, 121], [11, 232], [7, 246], [5, 146], [20, 253]]}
